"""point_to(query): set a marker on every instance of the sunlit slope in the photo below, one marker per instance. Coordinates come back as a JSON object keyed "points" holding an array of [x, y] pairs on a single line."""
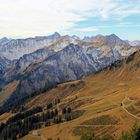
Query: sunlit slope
{"points": [[101, 98], [6, 92]]}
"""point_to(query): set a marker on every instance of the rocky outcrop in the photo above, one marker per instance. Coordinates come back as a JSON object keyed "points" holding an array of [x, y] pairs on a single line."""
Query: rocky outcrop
{"points": [[36, 56], [5, 64], [16, 48], [64, 59], [135, 43], [71, 63]]}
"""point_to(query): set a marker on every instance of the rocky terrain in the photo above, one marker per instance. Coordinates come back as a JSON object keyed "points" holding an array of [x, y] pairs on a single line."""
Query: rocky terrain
{"points": [[135, 43], [104, 104], [110, 99], [5, 64], [41, 63], [16, 48]]}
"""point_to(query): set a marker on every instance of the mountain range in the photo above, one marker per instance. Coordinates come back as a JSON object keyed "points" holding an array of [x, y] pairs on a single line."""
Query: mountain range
{"points": [[61, 87], [41, 63], [108, 103]]}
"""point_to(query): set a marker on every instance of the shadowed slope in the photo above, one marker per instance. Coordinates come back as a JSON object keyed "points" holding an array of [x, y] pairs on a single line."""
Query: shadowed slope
{"points": [[101, 97]]}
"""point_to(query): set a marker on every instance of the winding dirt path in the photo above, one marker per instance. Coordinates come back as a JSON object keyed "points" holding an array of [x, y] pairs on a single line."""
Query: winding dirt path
{"points": [[42, 137], [36, 133], [123, 106]]}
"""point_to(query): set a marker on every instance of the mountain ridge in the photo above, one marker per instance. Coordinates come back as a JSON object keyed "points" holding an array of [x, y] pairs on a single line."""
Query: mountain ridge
{"points": [[65, 57], [99, 96]]}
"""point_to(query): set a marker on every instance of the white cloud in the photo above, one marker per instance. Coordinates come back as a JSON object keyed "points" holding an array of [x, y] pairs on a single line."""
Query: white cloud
{"points": [[36, 17]]}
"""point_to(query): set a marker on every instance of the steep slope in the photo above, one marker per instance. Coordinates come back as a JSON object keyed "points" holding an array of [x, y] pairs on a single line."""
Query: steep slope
{"points": [[5, 64], [101, 98], [71, 63], [60, 61], [4, 40], [109, 40], [108, 101], [15, 48], [38, 55], [6, 92], [63, 42], [135, 43], [21, 65]]}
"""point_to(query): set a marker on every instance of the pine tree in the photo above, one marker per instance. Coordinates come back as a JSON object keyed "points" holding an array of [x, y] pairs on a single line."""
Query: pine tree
{"points": [[64, 111]]}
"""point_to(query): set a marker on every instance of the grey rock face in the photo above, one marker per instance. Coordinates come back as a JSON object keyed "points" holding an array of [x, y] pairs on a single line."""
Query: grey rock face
{"points": [[36, 56], [4, 40], [109, 40], [16, 48], [71, 63], [135, 43], [60, 61], [5, 64], [20, 65]]}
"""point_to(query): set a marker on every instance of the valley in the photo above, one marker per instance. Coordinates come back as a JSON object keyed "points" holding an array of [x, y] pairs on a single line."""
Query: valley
{"points": [[69, 70], [97, 94], [103, 112], [101, 96]]}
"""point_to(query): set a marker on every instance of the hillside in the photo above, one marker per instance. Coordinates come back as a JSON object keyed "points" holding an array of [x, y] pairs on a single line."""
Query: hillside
{"points": [[101, 97], [69, 58], [69, 70], [42, 85]]}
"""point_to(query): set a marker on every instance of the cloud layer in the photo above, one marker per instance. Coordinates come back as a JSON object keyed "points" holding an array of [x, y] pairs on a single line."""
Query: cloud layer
{"points": [[36, 17]]}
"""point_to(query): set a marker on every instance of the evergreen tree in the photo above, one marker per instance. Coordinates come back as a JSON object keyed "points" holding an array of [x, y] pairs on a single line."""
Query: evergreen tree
{"points": [[69, 110], [64, 111]]}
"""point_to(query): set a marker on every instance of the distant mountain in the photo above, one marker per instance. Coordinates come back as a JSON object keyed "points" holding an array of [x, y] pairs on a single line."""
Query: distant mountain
{"points": [[44, 62], [71, 63], [57, 66], [63, 42], [30, 58], [76, 37], [5, 64], [55, 35], [35, 57], [110, 100], [16, 48], [4, 40], [135, 43], [109, 40]]}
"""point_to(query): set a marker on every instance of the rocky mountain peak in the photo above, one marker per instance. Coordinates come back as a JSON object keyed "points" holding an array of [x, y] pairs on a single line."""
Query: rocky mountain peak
{"points": [[112, 36], [75, 37], [56, 34], [134, 43], [52, 36], [43, 62], [4, 40], [16, 48]]}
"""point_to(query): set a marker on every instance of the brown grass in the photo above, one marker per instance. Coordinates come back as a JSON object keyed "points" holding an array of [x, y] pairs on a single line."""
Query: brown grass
{"points": [[4, 117], [101, 95], [7, 91], [101, 120]]}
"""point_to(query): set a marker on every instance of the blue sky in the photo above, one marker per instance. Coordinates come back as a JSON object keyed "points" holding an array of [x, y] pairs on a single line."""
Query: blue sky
{"points": [[25, 18], [126, 28]]}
